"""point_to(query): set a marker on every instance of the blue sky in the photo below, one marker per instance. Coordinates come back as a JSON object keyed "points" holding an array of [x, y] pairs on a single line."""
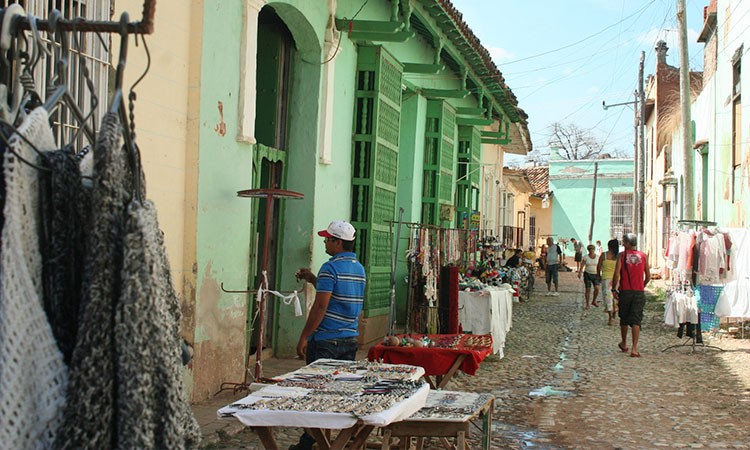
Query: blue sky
{"points": [[562, 58]]}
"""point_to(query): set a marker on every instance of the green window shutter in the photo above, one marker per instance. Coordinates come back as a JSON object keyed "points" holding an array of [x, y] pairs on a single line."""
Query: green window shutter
{"points": [[374, 168], [469, 173], [440, 154]]}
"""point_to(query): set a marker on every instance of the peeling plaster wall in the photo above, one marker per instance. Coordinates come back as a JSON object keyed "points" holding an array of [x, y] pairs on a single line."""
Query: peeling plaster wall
{"points": [[223, 241]]}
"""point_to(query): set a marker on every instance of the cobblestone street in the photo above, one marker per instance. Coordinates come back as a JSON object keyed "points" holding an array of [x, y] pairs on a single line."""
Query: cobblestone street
{"points": [[590, 395]]}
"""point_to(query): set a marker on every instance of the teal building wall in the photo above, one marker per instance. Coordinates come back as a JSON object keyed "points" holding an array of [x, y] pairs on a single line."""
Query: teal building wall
{"points": [[572, 184]]}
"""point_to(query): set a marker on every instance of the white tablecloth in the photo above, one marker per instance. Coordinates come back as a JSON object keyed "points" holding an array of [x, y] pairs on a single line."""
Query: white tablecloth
{"points": [[489, 311], [307, 419]]}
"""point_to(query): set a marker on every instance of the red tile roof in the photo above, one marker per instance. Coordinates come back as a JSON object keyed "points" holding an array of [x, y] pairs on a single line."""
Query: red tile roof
{"points": [[539, 178]]}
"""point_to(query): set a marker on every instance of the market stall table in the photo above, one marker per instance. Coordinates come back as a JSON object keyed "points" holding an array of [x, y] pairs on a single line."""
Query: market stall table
{"points": [[487, 311], [350, 396], [447, 414], [447, 354]]}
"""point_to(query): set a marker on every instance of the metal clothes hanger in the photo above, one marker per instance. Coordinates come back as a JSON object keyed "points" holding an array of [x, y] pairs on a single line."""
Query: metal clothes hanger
{"points": [[94, 102], [61, 93], [118, 107]]}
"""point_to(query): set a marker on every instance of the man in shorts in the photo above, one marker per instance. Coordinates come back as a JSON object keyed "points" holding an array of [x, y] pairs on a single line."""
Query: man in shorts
{"points": [[578, 251], [552, 265], [632, 274]]}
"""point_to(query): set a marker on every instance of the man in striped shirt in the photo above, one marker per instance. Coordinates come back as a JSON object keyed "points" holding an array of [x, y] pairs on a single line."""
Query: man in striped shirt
{"points": [[331, 329]]}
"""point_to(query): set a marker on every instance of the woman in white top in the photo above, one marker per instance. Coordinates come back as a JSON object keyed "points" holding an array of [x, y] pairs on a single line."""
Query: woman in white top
{"points": [[588, 267]]}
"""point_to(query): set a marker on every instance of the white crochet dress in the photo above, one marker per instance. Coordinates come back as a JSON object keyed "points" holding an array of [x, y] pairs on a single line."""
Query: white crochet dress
{"points": [[33, 376]]}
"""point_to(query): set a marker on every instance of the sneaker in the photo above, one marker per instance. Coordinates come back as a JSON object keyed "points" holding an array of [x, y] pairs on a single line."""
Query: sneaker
{"points": [[555, 294]]}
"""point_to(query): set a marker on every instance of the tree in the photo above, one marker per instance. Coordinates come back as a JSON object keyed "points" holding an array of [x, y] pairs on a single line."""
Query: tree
{"points": [[574, 142]]}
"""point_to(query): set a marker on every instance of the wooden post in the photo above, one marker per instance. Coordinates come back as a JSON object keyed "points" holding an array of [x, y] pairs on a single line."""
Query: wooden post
{"points": [[593, 202]]}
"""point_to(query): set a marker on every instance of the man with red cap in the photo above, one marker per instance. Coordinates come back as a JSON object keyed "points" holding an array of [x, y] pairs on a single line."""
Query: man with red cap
{"points": [[331, 329]]}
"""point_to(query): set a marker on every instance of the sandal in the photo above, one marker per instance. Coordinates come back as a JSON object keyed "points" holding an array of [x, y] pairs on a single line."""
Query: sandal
{"points": [[635, 355], [623, 349]]}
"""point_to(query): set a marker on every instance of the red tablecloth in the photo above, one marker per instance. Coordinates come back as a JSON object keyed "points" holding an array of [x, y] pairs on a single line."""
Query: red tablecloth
{"points": [[439, 358]]}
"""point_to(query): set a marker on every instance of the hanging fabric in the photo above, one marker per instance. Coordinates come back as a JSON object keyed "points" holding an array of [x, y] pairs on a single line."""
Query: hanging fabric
{"points": [[33, 375]]}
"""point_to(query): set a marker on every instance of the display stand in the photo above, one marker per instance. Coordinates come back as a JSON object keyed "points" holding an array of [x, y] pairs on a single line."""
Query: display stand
{"points": [[270, 195], [690, 341]]}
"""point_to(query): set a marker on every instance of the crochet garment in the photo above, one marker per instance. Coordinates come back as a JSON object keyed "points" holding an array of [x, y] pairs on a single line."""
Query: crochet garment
{"points": [[32, 373], [65, 206], [152, 406], [125, 375]]}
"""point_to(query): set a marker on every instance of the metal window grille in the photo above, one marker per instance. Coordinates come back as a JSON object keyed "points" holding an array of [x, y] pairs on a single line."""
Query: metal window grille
{"points": [[92, 50], [532, 230], [621, 214]]}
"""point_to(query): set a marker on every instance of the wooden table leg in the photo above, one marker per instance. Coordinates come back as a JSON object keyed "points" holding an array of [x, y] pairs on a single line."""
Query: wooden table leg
{"points": [[343, 438], [320, 438], [360, 437], [447, 377], [487, 426], [266, 438], [461, 440], [429, 381], [386, 440]]}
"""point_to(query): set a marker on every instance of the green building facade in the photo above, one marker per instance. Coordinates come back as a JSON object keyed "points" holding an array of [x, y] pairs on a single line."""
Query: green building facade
{"points": [[364, 111]]}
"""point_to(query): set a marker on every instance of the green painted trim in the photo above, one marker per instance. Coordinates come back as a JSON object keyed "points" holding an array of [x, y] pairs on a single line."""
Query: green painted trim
{"points": [[471, 121], [444, 93], [495, 134], [423, 68], [401, 36], [373, 26], [471, 112], [496, 141]]}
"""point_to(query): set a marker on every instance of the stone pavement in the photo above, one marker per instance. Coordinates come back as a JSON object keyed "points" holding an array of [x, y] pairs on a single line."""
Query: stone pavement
{"points": [[564, 384]]}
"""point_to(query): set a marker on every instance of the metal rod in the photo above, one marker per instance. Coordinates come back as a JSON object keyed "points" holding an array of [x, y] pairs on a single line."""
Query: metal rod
{"points": [[145, 26]]}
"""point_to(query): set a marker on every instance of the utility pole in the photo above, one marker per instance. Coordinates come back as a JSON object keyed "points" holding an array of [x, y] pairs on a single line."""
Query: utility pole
{"points": [[636, 152], [641, 156], [688, 188], [593, 203]]}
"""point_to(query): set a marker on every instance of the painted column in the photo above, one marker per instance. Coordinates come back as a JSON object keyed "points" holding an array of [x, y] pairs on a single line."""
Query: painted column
{"points": [[248, 67], [332, 42]]}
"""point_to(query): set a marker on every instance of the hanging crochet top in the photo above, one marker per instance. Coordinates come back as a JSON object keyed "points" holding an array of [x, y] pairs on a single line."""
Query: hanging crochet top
{"points": [[32, 373]]}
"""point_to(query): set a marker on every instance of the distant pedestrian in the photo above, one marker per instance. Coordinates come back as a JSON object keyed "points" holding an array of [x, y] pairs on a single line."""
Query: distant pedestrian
{"points": [[632, 274], [515, 260], [578, 251], [552, 266], [598, 248], [606, 270], [590, 275], [543, 257]]}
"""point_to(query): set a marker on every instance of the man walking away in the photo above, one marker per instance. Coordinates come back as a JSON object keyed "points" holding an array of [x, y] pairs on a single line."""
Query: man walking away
{"points": [[631, 276], [553, 262]]}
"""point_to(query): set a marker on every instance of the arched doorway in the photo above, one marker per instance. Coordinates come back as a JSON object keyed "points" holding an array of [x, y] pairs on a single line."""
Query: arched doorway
{"points": [[286, 130]]}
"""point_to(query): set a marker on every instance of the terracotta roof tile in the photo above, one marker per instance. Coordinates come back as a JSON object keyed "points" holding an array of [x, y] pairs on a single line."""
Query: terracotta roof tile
{"points": [[539, 178]]}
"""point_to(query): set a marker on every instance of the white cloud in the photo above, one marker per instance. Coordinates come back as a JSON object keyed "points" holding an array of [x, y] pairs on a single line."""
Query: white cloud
{"points": [[593, 90], [500, 54]]}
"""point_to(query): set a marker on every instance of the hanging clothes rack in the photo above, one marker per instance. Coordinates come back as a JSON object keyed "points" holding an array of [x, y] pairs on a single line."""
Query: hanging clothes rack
{"points": [[691, 341]]}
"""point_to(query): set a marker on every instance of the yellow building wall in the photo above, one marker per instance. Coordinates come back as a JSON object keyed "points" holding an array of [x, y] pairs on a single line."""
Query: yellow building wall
{"points": [[165, 113]]}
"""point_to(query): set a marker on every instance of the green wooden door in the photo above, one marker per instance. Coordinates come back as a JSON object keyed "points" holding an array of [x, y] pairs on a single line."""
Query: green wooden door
{"points": [[377, 115]]}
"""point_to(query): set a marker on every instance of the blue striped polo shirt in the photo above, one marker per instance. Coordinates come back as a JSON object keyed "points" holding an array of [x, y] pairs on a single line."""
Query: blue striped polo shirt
{"points": [[344, 277]]}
